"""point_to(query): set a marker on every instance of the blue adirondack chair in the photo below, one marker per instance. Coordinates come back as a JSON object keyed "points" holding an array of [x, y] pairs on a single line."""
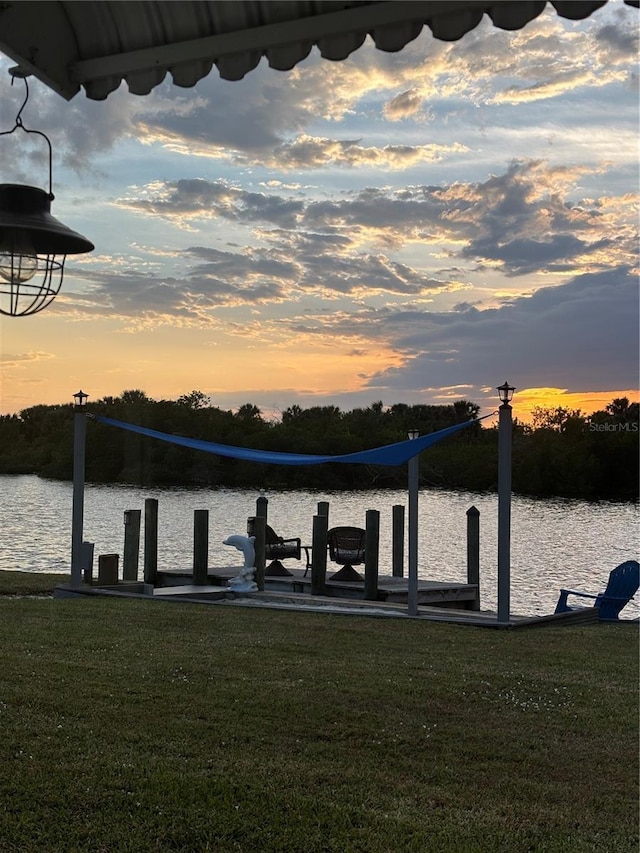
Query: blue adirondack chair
{"points": [[623, 583]]}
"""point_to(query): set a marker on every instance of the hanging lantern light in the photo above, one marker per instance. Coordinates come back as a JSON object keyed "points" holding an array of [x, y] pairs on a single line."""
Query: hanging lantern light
{"points": [[33, 243]]}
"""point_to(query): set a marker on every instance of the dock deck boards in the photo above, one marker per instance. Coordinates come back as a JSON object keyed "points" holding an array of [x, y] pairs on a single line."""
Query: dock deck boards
{"points": [[390, 589], [438, 601], [222, 596]]}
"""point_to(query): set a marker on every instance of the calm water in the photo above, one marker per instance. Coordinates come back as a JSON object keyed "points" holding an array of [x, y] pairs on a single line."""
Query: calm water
{"points": [[555, 543]]}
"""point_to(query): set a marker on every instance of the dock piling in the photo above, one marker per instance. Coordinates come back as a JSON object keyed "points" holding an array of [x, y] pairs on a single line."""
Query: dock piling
{"points": [[473, 553], [108, 569], [371, 551], [319, 554], [397, 540], [262, 507], [200, 547], [260, 533], [86, 561], [132, 521], [150, 541]]}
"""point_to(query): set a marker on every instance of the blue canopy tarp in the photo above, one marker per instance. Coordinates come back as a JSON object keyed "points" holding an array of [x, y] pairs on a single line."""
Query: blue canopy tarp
{"points": [[390, 454]]}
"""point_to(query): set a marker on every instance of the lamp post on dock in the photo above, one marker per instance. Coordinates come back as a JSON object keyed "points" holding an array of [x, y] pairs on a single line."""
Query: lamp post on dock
{"points": [[77, 516], [505, 429], [413, 488]]}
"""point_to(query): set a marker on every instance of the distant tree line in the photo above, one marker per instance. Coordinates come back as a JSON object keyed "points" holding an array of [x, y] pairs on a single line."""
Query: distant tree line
{"points": [[561, 453]]}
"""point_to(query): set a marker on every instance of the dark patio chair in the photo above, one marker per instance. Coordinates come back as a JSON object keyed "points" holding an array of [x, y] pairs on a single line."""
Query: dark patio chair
{"points": [[623, 583], [276, 549], [346, 548]]}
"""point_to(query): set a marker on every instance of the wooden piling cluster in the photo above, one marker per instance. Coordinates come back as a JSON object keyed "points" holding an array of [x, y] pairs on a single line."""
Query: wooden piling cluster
{"points": [[108, 563]]}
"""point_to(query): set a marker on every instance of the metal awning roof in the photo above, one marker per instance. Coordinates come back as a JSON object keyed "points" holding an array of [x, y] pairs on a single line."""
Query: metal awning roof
{"points": [[96, 45]]}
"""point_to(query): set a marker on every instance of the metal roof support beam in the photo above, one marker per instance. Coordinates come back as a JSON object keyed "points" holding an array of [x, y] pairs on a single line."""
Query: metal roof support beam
{"points": [[310, 29]]}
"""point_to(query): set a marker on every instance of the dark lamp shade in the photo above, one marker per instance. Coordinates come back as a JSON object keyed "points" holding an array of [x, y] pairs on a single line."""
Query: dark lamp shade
{"points": [[27, 226]]}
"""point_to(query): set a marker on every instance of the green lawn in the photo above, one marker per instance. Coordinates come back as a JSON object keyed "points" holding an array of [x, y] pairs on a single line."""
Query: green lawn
{"points": [[132, 725], [30, 583]]}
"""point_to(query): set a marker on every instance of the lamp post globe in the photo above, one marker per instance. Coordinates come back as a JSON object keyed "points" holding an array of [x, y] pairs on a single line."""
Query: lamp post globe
{"points": [[80, 400], [505, 393]]}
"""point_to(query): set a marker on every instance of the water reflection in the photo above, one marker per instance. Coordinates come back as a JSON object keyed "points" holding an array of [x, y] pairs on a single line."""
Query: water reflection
{"points": [[555, 543]]}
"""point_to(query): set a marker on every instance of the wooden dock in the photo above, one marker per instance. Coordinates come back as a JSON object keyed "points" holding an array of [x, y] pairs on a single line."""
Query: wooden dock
{"points": [[392, 590], [212, 594]]}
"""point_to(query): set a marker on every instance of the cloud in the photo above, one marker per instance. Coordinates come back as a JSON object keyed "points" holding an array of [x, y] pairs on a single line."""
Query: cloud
{"points": [[290, 267], [20, 359], [77, 131], [617, 43], [524, 255], [579, 335], [307, 152], [267, 118], [190, 200], [305, 249], [404, 105], [329, 218], [146, 300], [515, 224]]}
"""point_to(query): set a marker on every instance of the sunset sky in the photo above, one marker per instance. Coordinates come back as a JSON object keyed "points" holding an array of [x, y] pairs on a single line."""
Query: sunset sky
{"points": [[413, 227]]}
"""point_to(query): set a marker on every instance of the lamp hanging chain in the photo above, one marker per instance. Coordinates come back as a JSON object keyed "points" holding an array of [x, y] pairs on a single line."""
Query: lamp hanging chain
{"points": [[17, 72]]}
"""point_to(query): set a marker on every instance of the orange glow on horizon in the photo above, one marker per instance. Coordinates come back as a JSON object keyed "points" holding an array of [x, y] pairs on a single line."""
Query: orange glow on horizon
{"points": [[550, 398]]}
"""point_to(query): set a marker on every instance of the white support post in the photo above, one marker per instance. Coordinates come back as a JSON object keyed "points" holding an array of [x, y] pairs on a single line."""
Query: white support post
{"points": [[77, 513], [505, 428], [413, 488]]}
